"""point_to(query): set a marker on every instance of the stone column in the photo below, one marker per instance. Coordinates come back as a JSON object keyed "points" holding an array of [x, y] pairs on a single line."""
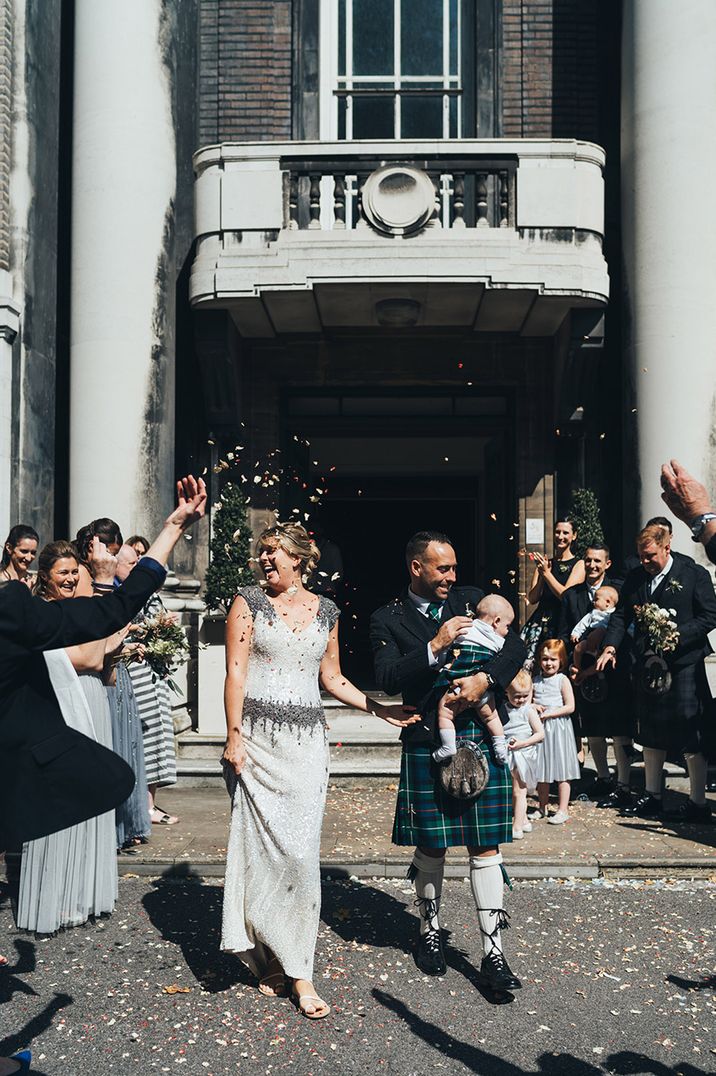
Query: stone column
{"points": [[122, 288], [9, 326], [669, 228]]}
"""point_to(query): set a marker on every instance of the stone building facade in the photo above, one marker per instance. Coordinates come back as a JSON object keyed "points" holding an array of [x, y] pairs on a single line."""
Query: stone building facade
{"points": [[443, 260]]}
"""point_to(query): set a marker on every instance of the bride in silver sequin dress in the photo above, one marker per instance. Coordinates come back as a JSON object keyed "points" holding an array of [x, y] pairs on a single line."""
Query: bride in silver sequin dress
{"points": [[281, 648]]}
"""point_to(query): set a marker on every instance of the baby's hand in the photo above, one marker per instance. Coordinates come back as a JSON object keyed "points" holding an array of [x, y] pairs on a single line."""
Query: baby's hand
{"points": [[540, 709], [574, 639]]}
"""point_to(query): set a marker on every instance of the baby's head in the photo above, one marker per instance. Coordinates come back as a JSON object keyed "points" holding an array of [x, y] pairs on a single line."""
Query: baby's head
{"points": [[606, 598], [519, 691], [497, 612]]}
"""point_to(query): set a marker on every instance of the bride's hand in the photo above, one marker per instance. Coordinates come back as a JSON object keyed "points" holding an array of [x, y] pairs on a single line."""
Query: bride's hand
{"points": [[235, 754], [398, 715]]}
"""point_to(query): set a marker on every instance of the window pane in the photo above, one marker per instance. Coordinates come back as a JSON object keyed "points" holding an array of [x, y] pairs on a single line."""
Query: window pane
{"points": [[341, 37], [454, 23], [341, 118], [422, 116], [373, 37], [374, 117], [421, 34], [454, 112]]}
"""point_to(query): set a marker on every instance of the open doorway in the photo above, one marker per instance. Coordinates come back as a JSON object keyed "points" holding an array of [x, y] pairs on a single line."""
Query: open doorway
{"points": [[387, 466]]}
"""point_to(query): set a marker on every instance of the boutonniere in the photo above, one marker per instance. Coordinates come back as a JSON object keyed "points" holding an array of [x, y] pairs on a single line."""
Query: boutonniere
{"points": [[674, 585]]}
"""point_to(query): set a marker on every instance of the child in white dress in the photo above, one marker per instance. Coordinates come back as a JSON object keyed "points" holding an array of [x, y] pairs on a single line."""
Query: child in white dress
{"points": [[554, 698], [524, 732]]}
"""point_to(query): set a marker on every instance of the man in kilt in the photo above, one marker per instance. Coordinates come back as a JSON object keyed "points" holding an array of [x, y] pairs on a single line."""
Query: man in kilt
{"points": [[672, 699], [412, 638]]}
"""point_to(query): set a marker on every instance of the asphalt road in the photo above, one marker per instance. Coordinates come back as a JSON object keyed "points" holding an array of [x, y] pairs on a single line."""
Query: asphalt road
{"points": [[618, 978]]}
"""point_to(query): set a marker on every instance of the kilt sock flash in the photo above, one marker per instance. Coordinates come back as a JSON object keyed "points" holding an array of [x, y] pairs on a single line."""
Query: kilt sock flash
{"points": [[427, 874], [487, 884]]}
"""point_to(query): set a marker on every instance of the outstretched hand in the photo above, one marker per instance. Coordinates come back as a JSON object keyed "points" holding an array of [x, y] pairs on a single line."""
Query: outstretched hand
{"points": [[684, 494], [398, 715], [191, 497]]}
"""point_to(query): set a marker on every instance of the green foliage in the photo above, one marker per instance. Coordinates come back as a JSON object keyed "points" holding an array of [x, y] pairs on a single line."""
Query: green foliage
{"points": [[584, 513], [230, 550]]}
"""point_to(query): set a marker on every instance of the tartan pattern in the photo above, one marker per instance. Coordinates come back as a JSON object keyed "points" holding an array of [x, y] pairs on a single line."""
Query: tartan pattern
{"points": [[425, 815], [676, 721], [469, 659]]}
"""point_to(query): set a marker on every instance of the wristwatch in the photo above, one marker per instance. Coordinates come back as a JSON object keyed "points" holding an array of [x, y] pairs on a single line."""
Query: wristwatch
{"points": [[490, 680], [698, 523]]}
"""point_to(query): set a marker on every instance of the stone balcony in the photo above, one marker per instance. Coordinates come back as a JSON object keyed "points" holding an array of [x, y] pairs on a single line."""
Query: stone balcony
{"points": [[495, 236]]}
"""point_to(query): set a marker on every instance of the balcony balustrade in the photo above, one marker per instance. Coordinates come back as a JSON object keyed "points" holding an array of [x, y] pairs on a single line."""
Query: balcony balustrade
{"points": [[499, 235]]}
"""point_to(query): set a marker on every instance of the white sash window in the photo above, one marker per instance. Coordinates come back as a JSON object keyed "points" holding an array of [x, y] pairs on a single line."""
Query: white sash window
{"points": [[390, 69]]}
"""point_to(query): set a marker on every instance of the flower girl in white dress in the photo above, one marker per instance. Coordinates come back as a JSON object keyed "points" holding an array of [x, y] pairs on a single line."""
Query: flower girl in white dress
{"points": [[523, 732], [554, 698], [281, 648]]}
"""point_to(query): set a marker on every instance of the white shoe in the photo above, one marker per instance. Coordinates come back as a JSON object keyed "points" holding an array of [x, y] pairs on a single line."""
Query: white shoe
{"points": [[517, 835], [527, 828], [558, 818], [534, 816]]}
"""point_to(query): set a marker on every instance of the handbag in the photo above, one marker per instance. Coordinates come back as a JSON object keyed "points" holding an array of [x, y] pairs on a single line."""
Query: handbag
{"points": [[465, 775]]}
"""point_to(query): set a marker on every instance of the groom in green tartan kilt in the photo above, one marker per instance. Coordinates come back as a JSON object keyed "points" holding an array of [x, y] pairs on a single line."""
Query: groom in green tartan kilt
{"points": [[412, 638]]}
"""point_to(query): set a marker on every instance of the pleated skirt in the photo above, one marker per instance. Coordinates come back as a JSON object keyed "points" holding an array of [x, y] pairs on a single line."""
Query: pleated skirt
{"points": [[70, 876], [132, 816], [557, 754]]}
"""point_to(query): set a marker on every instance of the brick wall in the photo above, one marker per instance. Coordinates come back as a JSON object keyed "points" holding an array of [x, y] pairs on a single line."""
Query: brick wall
{"points": [[245, 70], [549, 69]]}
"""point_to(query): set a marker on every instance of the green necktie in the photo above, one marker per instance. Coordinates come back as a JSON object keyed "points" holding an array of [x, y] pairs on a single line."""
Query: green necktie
{"points": [[434, 611]]}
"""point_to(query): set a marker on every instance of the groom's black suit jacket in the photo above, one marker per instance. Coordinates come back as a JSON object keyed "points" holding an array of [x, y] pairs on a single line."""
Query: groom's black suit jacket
{"points": [[689, 591], [399, 636], [51, 776]]}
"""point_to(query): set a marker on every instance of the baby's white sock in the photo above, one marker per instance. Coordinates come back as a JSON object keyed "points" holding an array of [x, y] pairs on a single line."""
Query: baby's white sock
{"points": [[499, 744], [448, 743]]}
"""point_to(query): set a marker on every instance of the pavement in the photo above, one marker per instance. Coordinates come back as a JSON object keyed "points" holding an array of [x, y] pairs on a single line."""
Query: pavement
{"points": [[617, 977], [358, 823]]}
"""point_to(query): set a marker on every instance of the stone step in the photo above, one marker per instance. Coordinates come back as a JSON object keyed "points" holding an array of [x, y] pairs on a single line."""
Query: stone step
{"points": [[207, 773]]}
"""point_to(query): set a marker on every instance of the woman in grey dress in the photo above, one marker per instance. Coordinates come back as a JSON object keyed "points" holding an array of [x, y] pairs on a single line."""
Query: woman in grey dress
{"points": [[70, 876], [281, 648]]}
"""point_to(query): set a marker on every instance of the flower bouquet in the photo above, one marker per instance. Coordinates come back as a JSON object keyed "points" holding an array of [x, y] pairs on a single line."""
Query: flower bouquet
{"points": [[661, 636], [164, 644]]}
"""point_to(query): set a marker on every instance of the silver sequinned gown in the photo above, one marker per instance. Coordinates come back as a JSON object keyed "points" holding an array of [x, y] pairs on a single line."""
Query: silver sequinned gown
{"points": [[272, 894]]}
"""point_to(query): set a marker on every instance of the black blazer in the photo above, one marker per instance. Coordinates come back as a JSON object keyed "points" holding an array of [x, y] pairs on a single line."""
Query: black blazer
{"points": [[575, 604], [51, 776], [689, 591], [399, 636]]}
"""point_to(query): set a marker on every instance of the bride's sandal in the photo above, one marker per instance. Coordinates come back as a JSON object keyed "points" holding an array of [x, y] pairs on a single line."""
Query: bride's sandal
{"points": [[310, 1005], [272, 983]]}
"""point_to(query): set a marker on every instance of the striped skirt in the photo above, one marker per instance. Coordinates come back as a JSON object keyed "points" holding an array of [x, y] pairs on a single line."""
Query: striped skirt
{"points": [[427, 816], [152, 695]]}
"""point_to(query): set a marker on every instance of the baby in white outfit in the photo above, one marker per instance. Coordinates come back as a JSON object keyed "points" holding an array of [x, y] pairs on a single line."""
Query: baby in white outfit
{"points": [[588, 633]]}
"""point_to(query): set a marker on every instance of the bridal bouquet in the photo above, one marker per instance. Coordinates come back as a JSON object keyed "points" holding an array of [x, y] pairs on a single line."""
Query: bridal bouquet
{"points": [[656, 624], [165, 645]]}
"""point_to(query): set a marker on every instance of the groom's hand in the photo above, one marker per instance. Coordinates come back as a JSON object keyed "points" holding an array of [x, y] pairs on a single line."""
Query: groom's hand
{"points": [[449, 631], [471, 689]]}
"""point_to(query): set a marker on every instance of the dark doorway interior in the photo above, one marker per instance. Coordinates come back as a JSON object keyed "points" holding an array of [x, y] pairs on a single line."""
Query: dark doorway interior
{"points": [[386, 466], [371, 531]]}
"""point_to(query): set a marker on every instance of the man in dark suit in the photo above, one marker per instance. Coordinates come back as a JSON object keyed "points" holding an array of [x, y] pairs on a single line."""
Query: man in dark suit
{"points": [[673, 719], [411, 638], [52, 777], [612, 716]]}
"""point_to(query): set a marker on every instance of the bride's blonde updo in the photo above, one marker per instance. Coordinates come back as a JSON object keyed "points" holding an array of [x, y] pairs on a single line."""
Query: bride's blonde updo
{"points": [[294, 540]]}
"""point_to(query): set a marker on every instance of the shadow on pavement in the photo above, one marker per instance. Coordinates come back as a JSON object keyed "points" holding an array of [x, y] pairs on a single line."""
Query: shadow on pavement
{"points": [[189, 915], [624, 1063]]}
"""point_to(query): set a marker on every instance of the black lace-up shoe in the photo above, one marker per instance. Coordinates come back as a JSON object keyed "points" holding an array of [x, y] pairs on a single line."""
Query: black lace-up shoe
{"points": [[646, 806], [620, 797], [429, 955], [698, 813], [495, 972]]}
